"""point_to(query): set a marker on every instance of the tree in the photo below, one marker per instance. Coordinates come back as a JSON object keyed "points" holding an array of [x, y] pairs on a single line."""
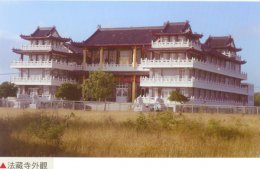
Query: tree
{"points": [[7, 89], [99, 85], [68, 91], [178, 97], [257, 99]]}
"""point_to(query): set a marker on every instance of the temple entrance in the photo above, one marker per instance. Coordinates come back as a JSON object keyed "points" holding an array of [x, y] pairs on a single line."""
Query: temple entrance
{"points": [[122, 93], [33, 91]]}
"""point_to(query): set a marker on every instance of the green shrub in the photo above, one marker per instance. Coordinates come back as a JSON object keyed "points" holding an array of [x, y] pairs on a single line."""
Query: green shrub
{"points": [[141, 122], [214, 128], [47, 128]]}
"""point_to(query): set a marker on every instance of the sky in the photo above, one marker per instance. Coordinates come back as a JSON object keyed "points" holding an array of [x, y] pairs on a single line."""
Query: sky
{"points": [[78, 20]]}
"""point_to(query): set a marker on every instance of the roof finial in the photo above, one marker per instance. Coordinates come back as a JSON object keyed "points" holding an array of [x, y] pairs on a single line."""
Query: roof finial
{"points": [[167, 22], [99, 26]]}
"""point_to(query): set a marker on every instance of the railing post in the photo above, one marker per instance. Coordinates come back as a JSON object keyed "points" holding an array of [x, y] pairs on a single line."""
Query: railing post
{"points": [[257, 110]]}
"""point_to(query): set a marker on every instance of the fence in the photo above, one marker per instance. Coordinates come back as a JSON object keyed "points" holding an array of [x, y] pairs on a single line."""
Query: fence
{"points": [[74, 105], [113, 106], [218, 109]]}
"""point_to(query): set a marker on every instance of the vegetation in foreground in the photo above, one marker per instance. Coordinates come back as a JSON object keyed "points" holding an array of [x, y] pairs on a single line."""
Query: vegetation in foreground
{"points": [[103, 134]]}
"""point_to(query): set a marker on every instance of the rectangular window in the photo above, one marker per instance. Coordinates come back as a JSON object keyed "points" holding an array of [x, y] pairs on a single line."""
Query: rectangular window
{"points": [[125, 57]]}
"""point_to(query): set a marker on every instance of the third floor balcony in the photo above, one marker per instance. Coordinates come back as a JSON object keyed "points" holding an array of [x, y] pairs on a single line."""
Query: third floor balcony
{"points": [[58, 48], [177, 44]]}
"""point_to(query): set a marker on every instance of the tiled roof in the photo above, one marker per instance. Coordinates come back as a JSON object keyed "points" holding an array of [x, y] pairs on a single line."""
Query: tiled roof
{"points": [[136, 35], [43, 31], [122, 36], [220, 42], [175, 27], [74, 48]]}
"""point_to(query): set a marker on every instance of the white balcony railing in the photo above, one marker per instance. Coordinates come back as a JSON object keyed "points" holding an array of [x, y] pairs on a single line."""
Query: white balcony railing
{"points": [[45, 48], [192, 63], [179, 44], [166, 82], [114, 67], [190, 82], [46, 64], [35, 80]]}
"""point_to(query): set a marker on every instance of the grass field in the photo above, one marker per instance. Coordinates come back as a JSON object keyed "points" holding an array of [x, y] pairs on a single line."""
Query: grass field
{"points": [[127, 134]]}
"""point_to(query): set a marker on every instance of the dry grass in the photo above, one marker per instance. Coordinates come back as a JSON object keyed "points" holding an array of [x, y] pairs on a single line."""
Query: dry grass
{"points": [[128, 134]]}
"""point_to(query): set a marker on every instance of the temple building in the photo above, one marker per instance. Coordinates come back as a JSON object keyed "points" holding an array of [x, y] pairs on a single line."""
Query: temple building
{"points": [[149, 62], [48, 61]]}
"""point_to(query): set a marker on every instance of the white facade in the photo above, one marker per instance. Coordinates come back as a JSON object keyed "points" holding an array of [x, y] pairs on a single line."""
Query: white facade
{"points": [[43, 65], [175, 62], [210, 80]]}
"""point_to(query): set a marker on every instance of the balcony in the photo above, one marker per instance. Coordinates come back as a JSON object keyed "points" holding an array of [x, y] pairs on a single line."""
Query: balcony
{"points": [[114, 67], [46, 64], [192, 63], [174, 44], [190, 82], [166, 82], [45, 48], [49, 80]]}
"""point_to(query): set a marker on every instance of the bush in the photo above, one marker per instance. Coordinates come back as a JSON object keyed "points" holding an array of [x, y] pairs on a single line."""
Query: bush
{"points": [[141, 122], [68, 91], [7, 89], [214, 128], [49, 129]]}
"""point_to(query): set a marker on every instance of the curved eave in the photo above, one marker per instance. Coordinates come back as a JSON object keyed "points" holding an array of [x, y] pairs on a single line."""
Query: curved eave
{"points": [[78, 44], [217, 54], [192, 35], [177, 49], [229, 48], [30, 52], [45, 38], [117, 45]]}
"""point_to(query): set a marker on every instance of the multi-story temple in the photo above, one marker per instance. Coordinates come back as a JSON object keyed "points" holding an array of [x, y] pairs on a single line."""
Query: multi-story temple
{"points": [[146, 61], [45, 63]]}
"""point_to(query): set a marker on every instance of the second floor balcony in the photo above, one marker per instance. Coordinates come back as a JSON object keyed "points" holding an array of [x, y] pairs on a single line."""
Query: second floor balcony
{"points": [[192, 63], [38, 80], [46, 64]]}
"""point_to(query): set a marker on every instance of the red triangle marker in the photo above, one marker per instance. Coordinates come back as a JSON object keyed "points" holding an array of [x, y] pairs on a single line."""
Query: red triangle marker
{"points": [[3, 166]]}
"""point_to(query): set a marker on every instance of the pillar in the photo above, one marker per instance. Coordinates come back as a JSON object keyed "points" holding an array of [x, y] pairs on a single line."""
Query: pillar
{"points": [[85, 52], [21, 57], [101, 56], [134, 88], [134, 57]]}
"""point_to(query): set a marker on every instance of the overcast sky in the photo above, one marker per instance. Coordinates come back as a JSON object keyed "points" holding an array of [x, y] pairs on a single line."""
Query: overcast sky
{"points": [[78, 20]]}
